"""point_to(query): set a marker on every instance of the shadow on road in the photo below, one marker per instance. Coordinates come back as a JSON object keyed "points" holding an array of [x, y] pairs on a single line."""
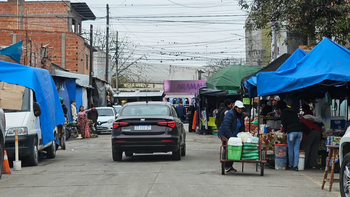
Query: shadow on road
{"points": [[149, 158]]}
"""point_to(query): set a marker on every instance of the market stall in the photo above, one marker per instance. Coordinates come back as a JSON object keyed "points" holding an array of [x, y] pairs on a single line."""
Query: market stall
{"points": [[207, 101], [224, 84], [317, 79]]}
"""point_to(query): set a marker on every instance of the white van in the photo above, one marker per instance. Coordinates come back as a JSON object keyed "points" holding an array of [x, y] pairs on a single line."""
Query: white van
{"points": [[32, 107], [27, 121]]}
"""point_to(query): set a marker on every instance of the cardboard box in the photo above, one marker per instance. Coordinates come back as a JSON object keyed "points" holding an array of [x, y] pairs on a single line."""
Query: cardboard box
{"points": [[11, 96]]}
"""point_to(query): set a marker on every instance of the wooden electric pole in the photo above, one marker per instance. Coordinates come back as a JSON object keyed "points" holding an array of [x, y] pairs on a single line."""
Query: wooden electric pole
{"points": [[116, 64], [91, 71], [107, 44]]}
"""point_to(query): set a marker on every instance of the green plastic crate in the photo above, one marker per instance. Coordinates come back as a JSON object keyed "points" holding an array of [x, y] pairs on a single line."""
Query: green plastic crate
{"points": [[234, 152]]}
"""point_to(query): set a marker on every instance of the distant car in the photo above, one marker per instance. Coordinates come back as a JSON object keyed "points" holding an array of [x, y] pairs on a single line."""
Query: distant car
{"points": [[148, 127], [117, 108], [106, 117]]}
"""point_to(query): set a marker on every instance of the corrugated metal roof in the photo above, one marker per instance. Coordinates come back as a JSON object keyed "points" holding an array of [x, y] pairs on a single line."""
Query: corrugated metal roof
{"points": [[83, 10], [82, 80]]}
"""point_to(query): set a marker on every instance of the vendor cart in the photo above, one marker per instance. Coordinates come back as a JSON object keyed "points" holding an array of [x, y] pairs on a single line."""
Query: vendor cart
{"points": [[259, 163]]}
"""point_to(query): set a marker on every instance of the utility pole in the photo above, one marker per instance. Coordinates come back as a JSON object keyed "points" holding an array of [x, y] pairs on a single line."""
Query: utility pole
{"points": [[91, 65], [107, 44], [116, 64]]}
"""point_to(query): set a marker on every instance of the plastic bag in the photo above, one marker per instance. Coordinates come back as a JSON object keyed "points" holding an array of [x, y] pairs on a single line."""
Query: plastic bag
{"points": [[244, 136]]}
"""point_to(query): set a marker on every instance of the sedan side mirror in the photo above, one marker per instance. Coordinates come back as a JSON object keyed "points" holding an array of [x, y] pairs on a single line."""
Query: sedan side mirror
{"points": [[37, 109]]}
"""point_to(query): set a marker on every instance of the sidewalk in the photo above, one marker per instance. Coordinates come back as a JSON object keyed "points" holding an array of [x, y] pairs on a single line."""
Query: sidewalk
{"points": [[316, 177]]}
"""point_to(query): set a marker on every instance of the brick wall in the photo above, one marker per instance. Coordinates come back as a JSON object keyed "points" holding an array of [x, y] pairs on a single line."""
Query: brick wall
{"points": [[45, 16], [73, 57]]}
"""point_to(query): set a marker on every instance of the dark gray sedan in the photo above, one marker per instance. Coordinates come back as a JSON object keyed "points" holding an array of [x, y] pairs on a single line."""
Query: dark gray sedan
{"points": [[148, 127]]}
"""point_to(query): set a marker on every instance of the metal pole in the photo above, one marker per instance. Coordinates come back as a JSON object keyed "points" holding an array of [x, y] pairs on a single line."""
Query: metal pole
{"points": [[251, 115], [117, 66], [107, 43], [16, 164], [17, 16], [275, 43], [16, 145]]}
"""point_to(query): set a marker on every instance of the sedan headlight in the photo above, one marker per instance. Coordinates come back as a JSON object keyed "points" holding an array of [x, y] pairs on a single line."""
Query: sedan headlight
{"points": [[110, 121], [21, 131]]}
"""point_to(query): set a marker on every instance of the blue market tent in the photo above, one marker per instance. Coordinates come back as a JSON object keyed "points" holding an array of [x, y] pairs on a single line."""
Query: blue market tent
{"points": [[273, 66], [325, 68], [290, 63], [41, 82], [67, 90]]}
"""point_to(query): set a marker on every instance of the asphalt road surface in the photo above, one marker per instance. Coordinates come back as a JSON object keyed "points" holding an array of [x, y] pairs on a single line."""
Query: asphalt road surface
{"points": [[86, 169]]}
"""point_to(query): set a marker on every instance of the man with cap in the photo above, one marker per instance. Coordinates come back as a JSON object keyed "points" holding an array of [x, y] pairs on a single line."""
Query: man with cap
{"points": [[275, 101], [233, 124]]}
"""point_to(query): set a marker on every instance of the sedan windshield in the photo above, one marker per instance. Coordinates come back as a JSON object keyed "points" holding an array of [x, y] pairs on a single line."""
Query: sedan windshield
{"points": [[145, 110], [117, 108], [105, 112]]}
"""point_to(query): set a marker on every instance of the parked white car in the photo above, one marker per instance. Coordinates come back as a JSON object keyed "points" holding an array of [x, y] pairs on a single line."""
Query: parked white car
{"points": [[117, 108], [106, 117], [344, 158]]}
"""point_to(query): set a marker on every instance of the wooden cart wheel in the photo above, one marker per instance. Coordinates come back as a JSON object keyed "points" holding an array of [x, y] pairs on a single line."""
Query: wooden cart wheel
{"points": [[262, 165], [262, 169], [223, 168]]}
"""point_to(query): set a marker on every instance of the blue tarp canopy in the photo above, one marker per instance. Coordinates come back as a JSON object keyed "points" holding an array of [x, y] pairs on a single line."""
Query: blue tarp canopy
{"points": [[41, 82], [66, 90], [326, 67], [290, 63]]}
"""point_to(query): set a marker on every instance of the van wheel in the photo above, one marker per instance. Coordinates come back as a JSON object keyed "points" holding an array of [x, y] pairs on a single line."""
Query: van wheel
{"points": [[1, 158], [51, 151], [33, 159]]}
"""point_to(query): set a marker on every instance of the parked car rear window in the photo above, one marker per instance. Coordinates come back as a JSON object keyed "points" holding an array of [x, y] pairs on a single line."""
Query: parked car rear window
{"points": [[145, 110], [105, 112]]}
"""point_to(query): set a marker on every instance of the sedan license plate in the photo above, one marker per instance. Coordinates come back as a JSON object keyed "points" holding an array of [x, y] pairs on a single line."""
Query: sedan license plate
{"points": [[142, 127]]}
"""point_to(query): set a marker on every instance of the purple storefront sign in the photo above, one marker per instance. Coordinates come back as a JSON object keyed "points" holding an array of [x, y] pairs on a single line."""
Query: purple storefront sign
{"points": [[182, 86]]}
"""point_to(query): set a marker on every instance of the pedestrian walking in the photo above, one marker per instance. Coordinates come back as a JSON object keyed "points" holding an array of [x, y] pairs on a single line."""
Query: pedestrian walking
{"points": [[292, 126], [181, 111]]}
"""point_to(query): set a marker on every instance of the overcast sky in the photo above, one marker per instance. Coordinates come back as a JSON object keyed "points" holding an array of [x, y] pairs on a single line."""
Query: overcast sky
{"points": [[176, 32]]}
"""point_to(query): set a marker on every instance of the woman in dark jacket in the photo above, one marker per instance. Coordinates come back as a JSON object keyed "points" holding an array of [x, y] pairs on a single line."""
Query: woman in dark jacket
{"points": [[292, 126], [233, 124], [93, 115]]}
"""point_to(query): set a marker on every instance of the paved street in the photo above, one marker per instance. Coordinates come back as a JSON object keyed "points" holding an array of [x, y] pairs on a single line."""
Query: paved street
{"points": [[87, 169]]}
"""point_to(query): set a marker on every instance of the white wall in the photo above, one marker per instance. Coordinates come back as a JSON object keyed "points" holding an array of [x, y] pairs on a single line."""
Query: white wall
{"points": [[99, 65]]}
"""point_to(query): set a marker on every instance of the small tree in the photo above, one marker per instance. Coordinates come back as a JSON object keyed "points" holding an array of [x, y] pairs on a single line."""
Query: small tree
{"points": [[216, 65], [124, 54], [312, 19]]}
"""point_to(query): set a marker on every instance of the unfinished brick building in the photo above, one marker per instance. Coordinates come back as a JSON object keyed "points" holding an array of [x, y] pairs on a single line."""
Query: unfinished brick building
{"points": [[53, 27]]}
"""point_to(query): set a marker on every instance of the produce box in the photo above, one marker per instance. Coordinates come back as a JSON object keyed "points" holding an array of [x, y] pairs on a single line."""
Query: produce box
{"points": [[269, 140]]}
